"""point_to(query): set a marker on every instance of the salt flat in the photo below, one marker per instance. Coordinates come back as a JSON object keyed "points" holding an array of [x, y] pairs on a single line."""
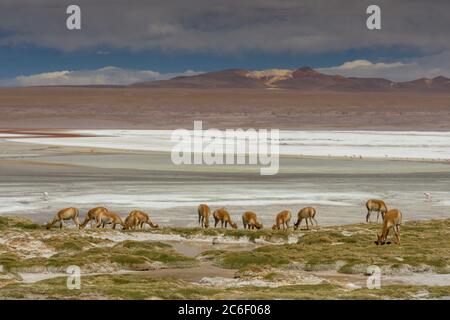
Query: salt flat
{"points": [[411, 145]]}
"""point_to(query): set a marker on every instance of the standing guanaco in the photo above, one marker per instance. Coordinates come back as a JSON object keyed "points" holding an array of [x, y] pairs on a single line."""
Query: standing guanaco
{"points": [[282, 219], [306, 213], [223, 216], [375, 205], [249, 220], [138, 218], [65, 214], [392, 220], [92, 215], [203, 215]]}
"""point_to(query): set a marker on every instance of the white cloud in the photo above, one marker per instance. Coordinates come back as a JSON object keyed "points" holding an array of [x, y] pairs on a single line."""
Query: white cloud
{"points": [[424, 67], [357, 64], [103, 76]]}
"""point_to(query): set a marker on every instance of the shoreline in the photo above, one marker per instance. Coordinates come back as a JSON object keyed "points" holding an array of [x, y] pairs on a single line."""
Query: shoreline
{"points": [[124, 180]]}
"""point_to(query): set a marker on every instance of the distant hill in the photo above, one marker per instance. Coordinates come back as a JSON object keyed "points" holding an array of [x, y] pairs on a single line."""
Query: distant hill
{"points": [[304, 78]]}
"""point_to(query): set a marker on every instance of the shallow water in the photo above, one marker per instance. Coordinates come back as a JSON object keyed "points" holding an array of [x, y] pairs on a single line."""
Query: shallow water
{"points": [[123, 180]]}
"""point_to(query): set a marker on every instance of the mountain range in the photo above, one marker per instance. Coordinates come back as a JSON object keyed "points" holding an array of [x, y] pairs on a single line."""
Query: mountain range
{"points": [[305, 78]]}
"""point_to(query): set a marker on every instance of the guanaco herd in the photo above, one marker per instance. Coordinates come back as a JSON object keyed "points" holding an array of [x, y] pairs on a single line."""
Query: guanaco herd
{"points": [[101, 217]]}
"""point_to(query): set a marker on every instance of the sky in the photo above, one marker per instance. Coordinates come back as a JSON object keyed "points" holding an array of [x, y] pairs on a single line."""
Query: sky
{"points": [[122, 42]]}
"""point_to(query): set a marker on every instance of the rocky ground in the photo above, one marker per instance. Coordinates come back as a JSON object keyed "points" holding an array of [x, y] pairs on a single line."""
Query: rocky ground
{"points": [[190, 263]]}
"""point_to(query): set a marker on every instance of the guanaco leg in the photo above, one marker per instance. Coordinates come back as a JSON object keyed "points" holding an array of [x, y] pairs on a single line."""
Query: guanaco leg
{"points": [[315, 222], [75, 220]]}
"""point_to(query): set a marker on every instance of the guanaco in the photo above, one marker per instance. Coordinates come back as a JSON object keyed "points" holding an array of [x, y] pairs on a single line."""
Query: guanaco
{"points": [[203, 215], [375, 205], [130, 222], [307, 213], [139, 218], [392, 220], [92, 215], [108, 217], [249, 220], [282, 219], [65, 214], [223, 216]]}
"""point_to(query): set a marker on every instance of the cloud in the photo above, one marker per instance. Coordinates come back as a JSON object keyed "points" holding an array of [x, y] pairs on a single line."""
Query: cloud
{"points": [[365, 64], [103, 76], [408, 69], [405, 70], [227, 26], [236, 27]]}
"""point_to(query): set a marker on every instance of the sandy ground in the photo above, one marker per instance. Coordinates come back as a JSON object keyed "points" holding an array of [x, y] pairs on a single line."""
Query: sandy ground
{"points": [[97, 108]]}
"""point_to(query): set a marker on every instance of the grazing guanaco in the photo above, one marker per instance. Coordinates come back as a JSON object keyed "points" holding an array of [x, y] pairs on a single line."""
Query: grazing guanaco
{"points": [[65, 214], [203, 215], [108, 217], [92, 215], [306, 213], [223, 216], [375, 205], [139, 218], [282, 219], [130, 222], [392, 220], [249, 220]]}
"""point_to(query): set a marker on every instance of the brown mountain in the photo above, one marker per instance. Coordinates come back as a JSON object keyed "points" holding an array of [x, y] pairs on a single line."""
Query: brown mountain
{"points": [[305, 78], [232, 78], [424, 84]]}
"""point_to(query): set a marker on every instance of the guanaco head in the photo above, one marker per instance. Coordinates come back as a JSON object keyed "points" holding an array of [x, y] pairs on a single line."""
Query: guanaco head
{"points": [[380, 240], [233, 225], [295, 226], [48, 226], [258, 225], [274, 227], [155, 226], [126, 225]]}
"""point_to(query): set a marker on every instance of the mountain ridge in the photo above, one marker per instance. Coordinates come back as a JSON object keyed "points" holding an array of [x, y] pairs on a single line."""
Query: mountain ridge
{"points": [[303, 78]]}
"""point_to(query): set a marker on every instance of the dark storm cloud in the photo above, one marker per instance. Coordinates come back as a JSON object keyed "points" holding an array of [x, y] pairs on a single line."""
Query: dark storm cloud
{"points": [[241, 27], [226, 26]]}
